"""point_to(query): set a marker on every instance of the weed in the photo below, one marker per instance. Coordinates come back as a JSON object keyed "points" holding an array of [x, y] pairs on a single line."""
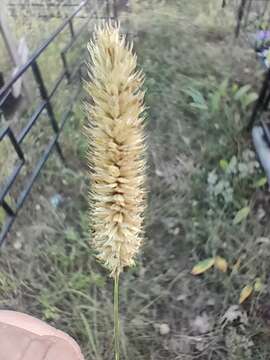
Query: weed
{"points": [[196, 124]]}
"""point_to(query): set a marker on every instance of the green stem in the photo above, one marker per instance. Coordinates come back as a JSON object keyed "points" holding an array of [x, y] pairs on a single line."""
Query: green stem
{"points": [[116, 318]]}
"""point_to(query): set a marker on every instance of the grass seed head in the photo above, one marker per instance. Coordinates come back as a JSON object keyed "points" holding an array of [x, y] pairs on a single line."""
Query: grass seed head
{"points": [[116, 153]]}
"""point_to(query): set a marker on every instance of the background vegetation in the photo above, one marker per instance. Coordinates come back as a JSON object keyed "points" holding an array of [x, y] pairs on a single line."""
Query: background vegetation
{"points": [[207, 198]]}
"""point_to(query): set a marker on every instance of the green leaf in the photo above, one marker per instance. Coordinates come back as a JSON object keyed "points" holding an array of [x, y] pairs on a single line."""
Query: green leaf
{"points": [[223, 87], [241, 215], [203, 266], [242, 91], [199, 106], [215, 102], [235, 88], [224, 164], [196, 96], [249, 99], [261, 182]]}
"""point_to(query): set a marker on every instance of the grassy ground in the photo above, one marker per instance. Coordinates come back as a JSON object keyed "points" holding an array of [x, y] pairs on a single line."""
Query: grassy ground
{"points": [[206, 199]]}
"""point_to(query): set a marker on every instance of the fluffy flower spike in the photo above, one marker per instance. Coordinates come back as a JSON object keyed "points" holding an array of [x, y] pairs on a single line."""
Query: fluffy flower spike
{"points": [[116, 153]]}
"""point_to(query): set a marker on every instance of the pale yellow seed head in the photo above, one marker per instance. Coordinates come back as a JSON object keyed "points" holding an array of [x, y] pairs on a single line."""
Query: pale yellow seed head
{"points": [[116, 153]]}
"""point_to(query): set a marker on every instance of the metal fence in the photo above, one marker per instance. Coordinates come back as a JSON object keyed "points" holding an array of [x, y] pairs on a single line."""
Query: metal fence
{"points": [[44, 9], [51, 8], [70, 74]]}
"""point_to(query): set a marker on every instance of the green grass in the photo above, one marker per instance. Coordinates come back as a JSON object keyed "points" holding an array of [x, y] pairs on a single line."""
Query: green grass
{"points": [[198, 109]]}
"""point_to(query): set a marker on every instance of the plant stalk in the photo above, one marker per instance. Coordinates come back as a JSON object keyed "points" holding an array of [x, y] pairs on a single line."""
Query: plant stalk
{"points": [[116, 318]]}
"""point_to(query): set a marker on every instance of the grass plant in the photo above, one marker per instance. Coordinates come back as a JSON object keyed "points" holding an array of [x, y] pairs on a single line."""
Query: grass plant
{"points": [[199, 152]]}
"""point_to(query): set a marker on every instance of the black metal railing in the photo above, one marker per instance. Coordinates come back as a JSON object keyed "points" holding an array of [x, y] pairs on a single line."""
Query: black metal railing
{"points": [[253, 25], [43, 9], [70, 74]]}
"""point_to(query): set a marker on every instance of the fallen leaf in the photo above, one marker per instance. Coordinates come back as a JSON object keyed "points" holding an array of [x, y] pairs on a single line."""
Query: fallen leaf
{"points": [[258, 286], [221, 264], [164, 329], [203, 266], [245, 293], [241, 215]]}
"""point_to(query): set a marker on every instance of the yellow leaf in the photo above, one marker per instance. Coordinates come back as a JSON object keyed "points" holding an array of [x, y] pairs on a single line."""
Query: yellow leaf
{"points": [[241, 215], [202, 266], [258, 285], [245, 293], [221, 264]]}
